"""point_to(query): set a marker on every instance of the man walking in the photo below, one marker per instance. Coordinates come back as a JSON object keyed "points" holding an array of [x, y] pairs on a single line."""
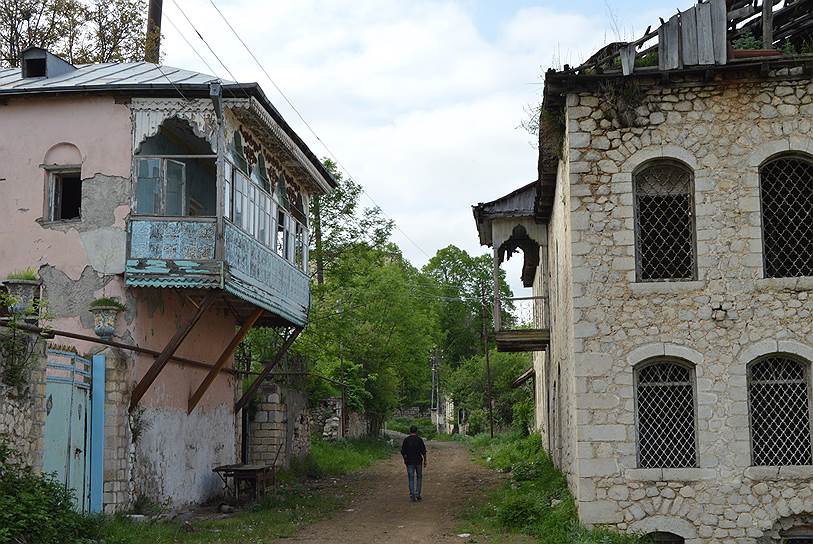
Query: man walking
{"points": [[413, 451]]}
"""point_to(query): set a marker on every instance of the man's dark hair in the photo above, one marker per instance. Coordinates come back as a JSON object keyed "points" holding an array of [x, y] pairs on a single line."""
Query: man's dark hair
{"points": [[413, 429]]}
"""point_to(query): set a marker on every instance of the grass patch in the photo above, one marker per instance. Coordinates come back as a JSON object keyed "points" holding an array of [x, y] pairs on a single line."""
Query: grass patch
{"points": [[536, 501], [426, 429], [291, 505], [341, 457]]}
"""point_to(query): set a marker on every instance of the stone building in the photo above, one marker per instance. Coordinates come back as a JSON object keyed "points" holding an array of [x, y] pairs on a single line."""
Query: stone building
{"points": [[184, 199], [669, 241]]}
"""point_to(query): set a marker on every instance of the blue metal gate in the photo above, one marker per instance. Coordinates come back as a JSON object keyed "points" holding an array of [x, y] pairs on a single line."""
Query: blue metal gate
{"points": [[74, 425]]}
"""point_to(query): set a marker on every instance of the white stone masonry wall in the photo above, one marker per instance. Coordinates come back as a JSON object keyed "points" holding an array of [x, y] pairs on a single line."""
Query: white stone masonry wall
{"points": [[719, 323]]}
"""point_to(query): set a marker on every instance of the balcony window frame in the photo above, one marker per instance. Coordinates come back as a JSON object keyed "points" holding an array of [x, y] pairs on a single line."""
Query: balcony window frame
{"points": [[261, 210], [164, 160]]}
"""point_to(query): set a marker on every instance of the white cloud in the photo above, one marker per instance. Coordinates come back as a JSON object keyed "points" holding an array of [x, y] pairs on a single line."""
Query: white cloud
{"points": [[415, 101]]}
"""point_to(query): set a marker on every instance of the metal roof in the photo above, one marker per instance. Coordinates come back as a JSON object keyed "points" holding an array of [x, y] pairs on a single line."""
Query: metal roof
{"points": [[109, 75], [146, 78]]}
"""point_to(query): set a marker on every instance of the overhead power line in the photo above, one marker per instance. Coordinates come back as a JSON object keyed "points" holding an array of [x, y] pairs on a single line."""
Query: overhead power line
{"points": [[308, 125]]}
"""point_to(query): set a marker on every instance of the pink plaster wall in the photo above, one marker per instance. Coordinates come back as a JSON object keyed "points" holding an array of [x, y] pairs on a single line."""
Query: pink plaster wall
{"points": [[29, 127], [101, 130]]}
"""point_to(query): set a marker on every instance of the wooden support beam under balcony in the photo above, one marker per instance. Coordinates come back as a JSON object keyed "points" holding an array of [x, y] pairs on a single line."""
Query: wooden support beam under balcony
{"points": [[522, 340]]}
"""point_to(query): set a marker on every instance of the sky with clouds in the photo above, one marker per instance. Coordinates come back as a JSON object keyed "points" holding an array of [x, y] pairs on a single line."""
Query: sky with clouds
{"points": [[421, 101]]}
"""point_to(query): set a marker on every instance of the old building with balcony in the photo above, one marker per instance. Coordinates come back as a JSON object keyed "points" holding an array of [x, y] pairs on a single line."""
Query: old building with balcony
{"points": [[184, 198], [672, 213]]}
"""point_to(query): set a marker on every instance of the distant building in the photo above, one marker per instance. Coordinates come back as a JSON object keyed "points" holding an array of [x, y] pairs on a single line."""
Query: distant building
{"points": [[669, 242], [186, 198]]}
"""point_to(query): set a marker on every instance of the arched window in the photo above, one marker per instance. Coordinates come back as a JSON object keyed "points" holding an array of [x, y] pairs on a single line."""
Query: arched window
{"points": [[665, 245], [786, 185], [664, 397], [780, 411], [660, 537]]}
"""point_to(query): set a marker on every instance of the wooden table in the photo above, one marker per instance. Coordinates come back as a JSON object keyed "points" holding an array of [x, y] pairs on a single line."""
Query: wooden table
{"points": [[256, 476]]}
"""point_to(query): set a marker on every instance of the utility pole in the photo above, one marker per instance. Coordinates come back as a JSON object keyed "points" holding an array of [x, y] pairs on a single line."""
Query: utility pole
{"points": [[152, 49], [488, 366]]}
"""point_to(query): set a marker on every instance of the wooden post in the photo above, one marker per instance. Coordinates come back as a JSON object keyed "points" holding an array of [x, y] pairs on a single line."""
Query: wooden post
{"points": [[267, 369], [152, 47], [767, 24], [488, 370], [210, 377], [164, 357]]}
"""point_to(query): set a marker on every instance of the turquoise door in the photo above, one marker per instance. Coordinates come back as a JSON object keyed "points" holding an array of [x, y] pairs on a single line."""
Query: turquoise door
{"points": [[67, 423]]}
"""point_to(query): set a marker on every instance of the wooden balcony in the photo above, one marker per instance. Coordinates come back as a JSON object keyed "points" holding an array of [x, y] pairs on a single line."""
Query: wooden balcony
{"points": [[180, 252], [521, 324]]}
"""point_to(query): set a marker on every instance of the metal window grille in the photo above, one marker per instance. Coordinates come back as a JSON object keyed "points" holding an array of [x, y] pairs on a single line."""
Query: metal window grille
{"points": [[787, 217], [661, 537], [666, 416], [664, 222], [780, 412]]}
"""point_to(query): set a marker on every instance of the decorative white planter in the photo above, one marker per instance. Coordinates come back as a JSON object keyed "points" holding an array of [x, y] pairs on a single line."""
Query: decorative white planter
{"points": [[104, 320], [24, 291]]}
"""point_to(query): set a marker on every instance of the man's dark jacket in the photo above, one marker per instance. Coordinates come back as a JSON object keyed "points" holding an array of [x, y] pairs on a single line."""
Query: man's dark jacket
{"points": [[413, 449]]}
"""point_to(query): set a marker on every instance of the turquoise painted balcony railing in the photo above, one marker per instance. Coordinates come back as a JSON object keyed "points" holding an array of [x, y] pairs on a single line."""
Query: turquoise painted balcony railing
{"points": [[180, 252]]}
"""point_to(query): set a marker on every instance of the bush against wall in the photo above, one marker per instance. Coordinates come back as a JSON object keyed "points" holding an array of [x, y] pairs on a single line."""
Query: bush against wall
{"points": [[37, 509]]}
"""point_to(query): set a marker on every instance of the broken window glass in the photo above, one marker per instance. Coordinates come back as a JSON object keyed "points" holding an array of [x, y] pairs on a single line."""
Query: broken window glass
{"points": [[65, 200]]}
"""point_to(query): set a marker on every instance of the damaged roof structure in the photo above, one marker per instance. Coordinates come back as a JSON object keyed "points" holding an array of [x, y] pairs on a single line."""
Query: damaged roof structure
{"points": [[673, 275]]}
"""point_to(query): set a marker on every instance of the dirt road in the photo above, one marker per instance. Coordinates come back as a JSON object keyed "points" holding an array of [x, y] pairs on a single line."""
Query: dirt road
{"points": [[380, 511]]}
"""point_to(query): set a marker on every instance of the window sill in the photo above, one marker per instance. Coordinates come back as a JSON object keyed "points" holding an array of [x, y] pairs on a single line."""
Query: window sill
{"points": [[669, 474], [802, 283], [666, 287], [772, 473], [58, 222]]}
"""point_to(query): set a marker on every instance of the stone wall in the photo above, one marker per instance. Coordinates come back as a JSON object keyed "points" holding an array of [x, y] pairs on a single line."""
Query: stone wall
{"points": [[22, 410], [719, 323], [279, 429]]}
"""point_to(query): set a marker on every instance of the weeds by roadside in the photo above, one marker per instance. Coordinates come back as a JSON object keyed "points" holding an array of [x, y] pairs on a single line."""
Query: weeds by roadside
{"points": [[426, 429], [536, 501], [39, 510]]}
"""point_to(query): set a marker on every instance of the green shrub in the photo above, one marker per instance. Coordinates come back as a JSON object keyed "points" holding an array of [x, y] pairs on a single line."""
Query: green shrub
{"points": [[747, 41], [523, 412], [28, 274], [340, 457], [108, 301], [426, 428], [37, 509]]}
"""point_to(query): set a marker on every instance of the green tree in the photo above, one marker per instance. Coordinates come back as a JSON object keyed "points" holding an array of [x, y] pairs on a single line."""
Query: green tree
{"points": [[80, 31], [463, 284]]}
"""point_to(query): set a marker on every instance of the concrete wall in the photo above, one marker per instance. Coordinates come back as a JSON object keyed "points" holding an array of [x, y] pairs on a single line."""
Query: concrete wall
{"points": [[719, 323]]}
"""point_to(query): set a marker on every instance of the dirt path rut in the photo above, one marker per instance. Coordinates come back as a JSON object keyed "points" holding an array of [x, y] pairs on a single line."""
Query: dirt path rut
{"points": [[380, 511]]}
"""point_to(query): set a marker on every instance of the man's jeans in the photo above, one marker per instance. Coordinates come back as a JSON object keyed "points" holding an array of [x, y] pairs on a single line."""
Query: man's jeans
{"points": [[415, 477]]}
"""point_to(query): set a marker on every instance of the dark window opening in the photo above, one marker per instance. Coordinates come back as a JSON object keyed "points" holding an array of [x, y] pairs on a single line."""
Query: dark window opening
{"points": [[664, 222], [786, 185], [666, 419], [661, 537], [780, 412], [34, 68], [66, 196]]}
